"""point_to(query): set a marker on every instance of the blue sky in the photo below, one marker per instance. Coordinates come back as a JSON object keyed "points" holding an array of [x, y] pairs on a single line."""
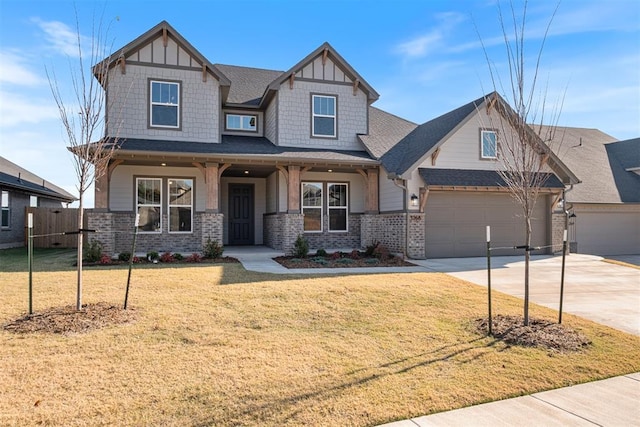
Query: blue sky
{"points": [[423, 57]]}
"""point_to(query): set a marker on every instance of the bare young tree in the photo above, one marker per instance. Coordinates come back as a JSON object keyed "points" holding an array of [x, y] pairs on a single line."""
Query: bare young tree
{"points": [[84, 119], [523, 148]]}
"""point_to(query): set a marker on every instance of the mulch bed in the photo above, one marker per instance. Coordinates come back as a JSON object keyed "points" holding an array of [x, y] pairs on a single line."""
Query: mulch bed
{"points": [[343, 261], [540, 333], [67, 320]]}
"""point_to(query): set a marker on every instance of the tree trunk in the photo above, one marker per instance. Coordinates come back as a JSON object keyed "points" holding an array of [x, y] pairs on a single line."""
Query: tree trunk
{"points": [[80, 255], [527, 257]]}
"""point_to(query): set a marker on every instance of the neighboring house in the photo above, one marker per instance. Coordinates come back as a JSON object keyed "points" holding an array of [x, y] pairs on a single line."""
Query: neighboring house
{"points": [[20, 189], [248, 156], [605, 207]]}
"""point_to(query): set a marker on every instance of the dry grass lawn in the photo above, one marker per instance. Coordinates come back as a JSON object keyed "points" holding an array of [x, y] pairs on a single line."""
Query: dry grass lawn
{"points": [[220, 346]]}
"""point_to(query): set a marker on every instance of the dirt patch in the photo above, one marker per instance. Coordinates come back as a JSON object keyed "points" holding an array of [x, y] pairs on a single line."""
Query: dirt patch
{"points": [[539, 333], [341, 260], [67, 320]]}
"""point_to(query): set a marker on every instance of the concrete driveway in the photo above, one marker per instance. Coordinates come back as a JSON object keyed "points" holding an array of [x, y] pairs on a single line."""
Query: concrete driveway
{"points": [[594, 289]]}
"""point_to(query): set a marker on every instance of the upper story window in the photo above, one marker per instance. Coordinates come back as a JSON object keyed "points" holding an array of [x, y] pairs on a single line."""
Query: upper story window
{"points": [[33, 201], [149, 204], [180, 205], [488, 144], [165, 104], [5, 212], [323, 121], [242, 122]]}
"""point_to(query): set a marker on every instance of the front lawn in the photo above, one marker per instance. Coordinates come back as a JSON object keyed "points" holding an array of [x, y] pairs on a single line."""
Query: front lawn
{"points": [[217, 345]]}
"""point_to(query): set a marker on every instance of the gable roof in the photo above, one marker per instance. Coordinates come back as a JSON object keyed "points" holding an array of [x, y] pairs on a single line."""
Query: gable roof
{"points": [[18, 178], [406, 153], [146, 38], [385, 131], [247, 84], [332, 54], [624, 160]]}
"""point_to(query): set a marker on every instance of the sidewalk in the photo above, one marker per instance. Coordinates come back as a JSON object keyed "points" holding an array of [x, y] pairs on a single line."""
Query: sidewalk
{"points": [[611, 402]]}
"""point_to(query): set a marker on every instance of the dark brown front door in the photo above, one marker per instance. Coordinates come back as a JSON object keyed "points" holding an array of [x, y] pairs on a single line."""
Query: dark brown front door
{"points": [[241, 214]]}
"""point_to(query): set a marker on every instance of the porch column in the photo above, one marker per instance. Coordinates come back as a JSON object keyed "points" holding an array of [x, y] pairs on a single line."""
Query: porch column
{"points": [[213, 187], [371, 199], [293, 188], [101, 198]]}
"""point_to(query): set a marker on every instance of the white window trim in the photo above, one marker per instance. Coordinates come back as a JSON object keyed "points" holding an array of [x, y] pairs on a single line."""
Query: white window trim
{"points": [[334, 116], [170, 205], [321, 207], [5, 207], [146, 205], [151, 104], [240, 129], [346, 208], [482, 133]]}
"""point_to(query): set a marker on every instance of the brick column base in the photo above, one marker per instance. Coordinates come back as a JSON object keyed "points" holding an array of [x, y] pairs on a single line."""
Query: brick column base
{"points": [[416, 236]]}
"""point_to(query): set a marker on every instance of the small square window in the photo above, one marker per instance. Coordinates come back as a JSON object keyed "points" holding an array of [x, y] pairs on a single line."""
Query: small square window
{"points": [[488, 144]]}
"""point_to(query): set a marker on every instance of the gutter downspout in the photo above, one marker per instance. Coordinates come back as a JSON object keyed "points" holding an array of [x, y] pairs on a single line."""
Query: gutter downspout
{"points": [[403, 186]]}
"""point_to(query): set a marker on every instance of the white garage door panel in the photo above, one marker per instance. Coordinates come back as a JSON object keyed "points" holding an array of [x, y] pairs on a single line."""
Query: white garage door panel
{"points": [[608, 233], [456, 224]]}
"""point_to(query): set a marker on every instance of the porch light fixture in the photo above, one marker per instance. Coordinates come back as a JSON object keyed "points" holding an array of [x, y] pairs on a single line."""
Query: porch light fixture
{"points": [[246, 172], [329, 170], [414, 200], [163, 164]]}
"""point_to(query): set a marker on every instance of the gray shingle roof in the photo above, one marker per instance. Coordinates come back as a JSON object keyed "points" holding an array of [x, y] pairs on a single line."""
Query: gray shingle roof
{"points": [[585, 153], [624, 155], [474, 178], [241, 146], [14, 176], [417, 143], [248, 85], [385, 131]]}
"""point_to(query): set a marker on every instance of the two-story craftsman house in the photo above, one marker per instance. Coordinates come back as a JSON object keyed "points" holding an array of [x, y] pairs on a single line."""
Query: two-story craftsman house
{"points": [[249, 156]]}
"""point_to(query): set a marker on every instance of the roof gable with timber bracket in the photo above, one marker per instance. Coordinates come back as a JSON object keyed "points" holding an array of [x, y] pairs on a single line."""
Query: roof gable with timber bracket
{"points": [[162, 45], [325, 64]]}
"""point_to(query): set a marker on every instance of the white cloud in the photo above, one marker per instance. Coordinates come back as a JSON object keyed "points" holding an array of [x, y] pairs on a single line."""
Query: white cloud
{"points": [[60, 36], [17, 109], [13, 70], [424, 44]]}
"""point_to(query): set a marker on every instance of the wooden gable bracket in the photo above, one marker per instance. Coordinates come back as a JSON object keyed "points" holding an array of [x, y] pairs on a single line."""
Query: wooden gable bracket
{"points": [[434, 156], [284, 171], [424, 193], [112, 166], [122, 62], [305, 169], [222, 169], [491, 102], [292, 77], [204, 72], [325, 52], [556, 200], [543, 159], [165, 37], [356, 83], [202, 169], [363, 173]]}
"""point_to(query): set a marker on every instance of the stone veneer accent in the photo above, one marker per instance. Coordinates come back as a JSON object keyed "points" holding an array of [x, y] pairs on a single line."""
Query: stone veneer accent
{"points": [[350, 239], [115, 233], [281, 230]]}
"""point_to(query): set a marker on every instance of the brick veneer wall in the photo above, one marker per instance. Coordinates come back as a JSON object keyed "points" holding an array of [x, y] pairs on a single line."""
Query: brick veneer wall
{"points": [[557, 231], [281, 230], [352, 239], [417, 233], [388, 229], [115, 233]]}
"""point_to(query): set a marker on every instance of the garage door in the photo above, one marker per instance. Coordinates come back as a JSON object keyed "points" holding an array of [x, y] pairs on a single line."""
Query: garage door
{"points": [[607, 233], [456, 224]]}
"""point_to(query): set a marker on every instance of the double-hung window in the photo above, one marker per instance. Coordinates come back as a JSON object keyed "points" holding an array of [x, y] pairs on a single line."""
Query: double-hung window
{"points": [[323, 122], [337, 196], [5, 212], [33, 201], [149, 204], [241, 122], [312, 206], [165, 104], [488, 144], [180, 205]]}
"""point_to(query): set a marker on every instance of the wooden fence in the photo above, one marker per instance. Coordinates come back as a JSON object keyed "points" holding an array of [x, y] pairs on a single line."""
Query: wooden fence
{"points": [[48, 223]]}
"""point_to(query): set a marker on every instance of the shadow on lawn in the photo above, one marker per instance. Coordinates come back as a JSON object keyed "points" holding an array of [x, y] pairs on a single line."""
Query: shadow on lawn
{"points": [[459, 353]]}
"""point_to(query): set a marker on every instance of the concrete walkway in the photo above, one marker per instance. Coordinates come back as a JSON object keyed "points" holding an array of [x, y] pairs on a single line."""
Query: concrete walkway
{"points": [[596, 290]]}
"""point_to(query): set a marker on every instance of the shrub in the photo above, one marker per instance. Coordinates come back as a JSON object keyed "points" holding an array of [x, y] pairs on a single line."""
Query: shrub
{"points": [[381, 252], [301, 247], [136, 260], [194, 257], [166, 257], [92, 251], [345, 261], [320, 260], [178, 256], [124, 256], [153, 256], [371, 261], [321, 252], [105, 259], [212, 249], [369, 251], [336, 255], [355, 254]]}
